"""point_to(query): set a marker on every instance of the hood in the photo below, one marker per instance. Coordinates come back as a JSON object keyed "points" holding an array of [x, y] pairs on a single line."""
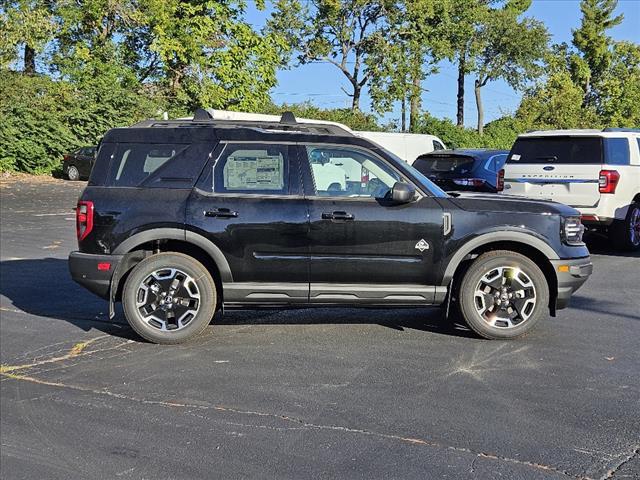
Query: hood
{"points": [[486, 202]]}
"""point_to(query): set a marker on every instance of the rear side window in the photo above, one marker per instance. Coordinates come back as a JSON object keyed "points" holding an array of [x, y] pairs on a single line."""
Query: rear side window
{"points": [[434, 164], [557, 150], [437, 145], [616, 151], [133, 163]]}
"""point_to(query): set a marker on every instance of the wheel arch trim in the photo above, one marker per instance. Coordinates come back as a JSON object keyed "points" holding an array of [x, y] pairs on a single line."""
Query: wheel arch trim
{"points": [[492, 237], [183, 235]]}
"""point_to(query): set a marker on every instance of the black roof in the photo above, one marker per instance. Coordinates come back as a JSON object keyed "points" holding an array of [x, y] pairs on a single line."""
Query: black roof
{"points": [[480, 153]]}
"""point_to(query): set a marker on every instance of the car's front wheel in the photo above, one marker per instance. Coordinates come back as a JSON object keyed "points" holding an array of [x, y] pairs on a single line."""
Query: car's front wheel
{"points": [[503, 295], [169, 298]]}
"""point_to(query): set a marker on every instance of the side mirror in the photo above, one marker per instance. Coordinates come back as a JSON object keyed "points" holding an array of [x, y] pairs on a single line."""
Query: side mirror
{"points": [[402, 192]]}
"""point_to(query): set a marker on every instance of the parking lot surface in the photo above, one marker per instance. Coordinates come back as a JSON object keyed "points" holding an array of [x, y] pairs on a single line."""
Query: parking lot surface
{"points": [[318, 393]]}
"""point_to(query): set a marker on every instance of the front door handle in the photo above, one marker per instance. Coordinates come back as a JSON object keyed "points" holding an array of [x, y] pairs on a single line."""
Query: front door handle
{"points": [[337, 216], [221, 213]]}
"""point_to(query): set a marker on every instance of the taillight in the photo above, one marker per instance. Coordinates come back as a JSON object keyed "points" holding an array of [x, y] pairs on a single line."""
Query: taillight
{"points": [[469, 182], [84, 219], [500, 180], [608, 181]]}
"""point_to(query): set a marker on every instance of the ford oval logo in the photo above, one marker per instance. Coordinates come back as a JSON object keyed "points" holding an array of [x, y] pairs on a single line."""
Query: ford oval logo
{"points": [[549, 168]]}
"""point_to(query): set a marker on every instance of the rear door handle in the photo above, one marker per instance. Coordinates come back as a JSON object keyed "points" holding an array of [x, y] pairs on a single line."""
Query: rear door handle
{"points": [[221, 213], [337, 216]]}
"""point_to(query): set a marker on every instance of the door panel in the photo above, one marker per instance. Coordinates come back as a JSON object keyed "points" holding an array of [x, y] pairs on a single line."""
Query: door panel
{"points": [[262, 229], [359, 236], [378, 245]]}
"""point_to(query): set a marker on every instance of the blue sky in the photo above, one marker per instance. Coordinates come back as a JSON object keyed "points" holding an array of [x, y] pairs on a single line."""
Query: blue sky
{"points": [[321, 83]]}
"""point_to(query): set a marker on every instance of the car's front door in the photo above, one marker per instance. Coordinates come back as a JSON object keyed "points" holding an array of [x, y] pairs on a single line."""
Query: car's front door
{"points": [[249, 203], [364, 248]]}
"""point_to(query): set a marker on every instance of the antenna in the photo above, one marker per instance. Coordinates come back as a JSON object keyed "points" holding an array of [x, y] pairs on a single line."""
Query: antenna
{"points": [[288, 118]]}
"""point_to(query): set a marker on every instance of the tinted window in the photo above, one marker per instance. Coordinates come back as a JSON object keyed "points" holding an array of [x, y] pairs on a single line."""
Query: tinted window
{"points": [[133, 163], [347, 172], [252, 168], [616, 151], [437, 145], [557, 150], [437, 164]]}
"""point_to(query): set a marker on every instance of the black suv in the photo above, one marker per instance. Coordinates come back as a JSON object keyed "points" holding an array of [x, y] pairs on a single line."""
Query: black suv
{"points": [[182, 218]]}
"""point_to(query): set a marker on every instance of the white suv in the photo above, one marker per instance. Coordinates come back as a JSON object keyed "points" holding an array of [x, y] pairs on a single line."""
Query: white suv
{"points": [[594, 171]]}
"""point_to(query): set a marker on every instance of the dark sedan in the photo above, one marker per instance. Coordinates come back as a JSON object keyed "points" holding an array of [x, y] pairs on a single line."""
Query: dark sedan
{"points": [[78, 164], [463, 169]]}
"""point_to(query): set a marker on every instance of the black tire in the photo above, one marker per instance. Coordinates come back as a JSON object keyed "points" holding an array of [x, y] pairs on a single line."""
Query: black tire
{"points": [[625, 234], [73, 173], [510, 263], [152, 328]]}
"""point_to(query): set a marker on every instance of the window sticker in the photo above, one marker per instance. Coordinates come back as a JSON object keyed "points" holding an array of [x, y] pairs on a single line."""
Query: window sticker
{"points": [[254, 173], [515, 157]]}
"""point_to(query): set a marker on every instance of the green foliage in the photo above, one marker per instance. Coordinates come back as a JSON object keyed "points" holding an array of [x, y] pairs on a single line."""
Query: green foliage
{"points": [[355, 120], [343, 33], [498, 134], [594, 84], [41, 119]]}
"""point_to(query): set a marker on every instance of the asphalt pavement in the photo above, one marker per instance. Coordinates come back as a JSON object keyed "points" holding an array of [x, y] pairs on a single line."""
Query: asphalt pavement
{"points": [[318, 393]]}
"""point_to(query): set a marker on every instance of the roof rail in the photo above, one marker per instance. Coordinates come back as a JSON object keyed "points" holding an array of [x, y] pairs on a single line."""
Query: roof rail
{"points": [[228, 119], [626, 130]]}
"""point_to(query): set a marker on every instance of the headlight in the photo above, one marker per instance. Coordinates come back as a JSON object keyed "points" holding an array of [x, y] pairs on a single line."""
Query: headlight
{"points": [[572, 230]]}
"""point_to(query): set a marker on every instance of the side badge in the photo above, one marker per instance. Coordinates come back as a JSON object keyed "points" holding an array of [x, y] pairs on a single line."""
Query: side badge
{"points": [[422, 245]]}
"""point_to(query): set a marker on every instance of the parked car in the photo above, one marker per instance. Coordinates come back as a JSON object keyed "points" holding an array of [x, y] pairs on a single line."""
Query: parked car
{"points": [[595, 171], [77, 165], [463, 169], [184, 218], [407, 146]]}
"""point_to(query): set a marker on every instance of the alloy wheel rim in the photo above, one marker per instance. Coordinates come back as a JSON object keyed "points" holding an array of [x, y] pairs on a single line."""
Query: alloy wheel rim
{"points": [[73, 173], [634, 227], [168, 299], [505, 297]]}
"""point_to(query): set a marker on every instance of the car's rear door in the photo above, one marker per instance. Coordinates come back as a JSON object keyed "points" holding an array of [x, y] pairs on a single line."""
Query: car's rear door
{"points": [[561, 168], [248, 202]]}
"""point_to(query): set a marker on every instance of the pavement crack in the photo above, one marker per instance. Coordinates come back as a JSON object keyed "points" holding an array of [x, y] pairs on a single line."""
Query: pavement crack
{"points": [[303, 424], [627, 458], [78, 350]]}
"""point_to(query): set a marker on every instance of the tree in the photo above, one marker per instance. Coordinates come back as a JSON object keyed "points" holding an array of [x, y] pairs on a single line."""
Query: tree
{"points": [[463, 21], [595, 46], [508, 49], [25, 25], [404, 53], [342, 32], [203, 52]]}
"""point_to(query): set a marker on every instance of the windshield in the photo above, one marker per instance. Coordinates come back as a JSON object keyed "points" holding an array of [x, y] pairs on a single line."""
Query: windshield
{"points": [[431, 187]]}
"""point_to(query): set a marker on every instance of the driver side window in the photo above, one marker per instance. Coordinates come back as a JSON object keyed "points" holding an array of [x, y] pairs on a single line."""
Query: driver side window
{"points": [[349, 172]]}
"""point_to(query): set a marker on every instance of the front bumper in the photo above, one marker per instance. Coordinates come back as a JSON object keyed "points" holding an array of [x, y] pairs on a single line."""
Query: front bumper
{"points": [[84, 270], [571, 275]]}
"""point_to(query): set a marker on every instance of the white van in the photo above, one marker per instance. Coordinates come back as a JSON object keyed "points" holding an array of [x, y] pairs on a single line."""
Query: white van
{"points": [[407, 146], [595, 171]]}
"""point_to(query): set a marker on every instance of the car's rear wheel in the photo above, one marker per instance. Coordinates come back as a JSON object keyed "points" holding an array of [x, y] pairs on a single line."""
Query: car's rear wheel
{"points": [[625, 234], [169, 298], [73, 173], [503, 295]]}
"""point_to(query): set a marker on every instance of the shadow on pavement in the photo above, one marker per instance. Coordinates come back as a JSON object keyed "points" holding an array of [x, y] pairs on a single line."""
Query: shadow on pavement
{"points": [[44, 288], [600, 245]]}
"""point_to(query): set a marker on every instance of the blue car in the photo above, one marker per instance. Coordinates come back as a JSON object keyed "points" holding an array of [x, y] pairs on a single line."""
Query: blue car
{"points": [[474, 170]]}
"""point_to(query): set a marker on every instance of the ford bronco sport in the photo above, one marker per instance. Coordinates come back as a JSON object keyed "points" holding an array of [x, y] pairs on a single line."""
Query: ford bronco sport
{"points": [[182, 218]]}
